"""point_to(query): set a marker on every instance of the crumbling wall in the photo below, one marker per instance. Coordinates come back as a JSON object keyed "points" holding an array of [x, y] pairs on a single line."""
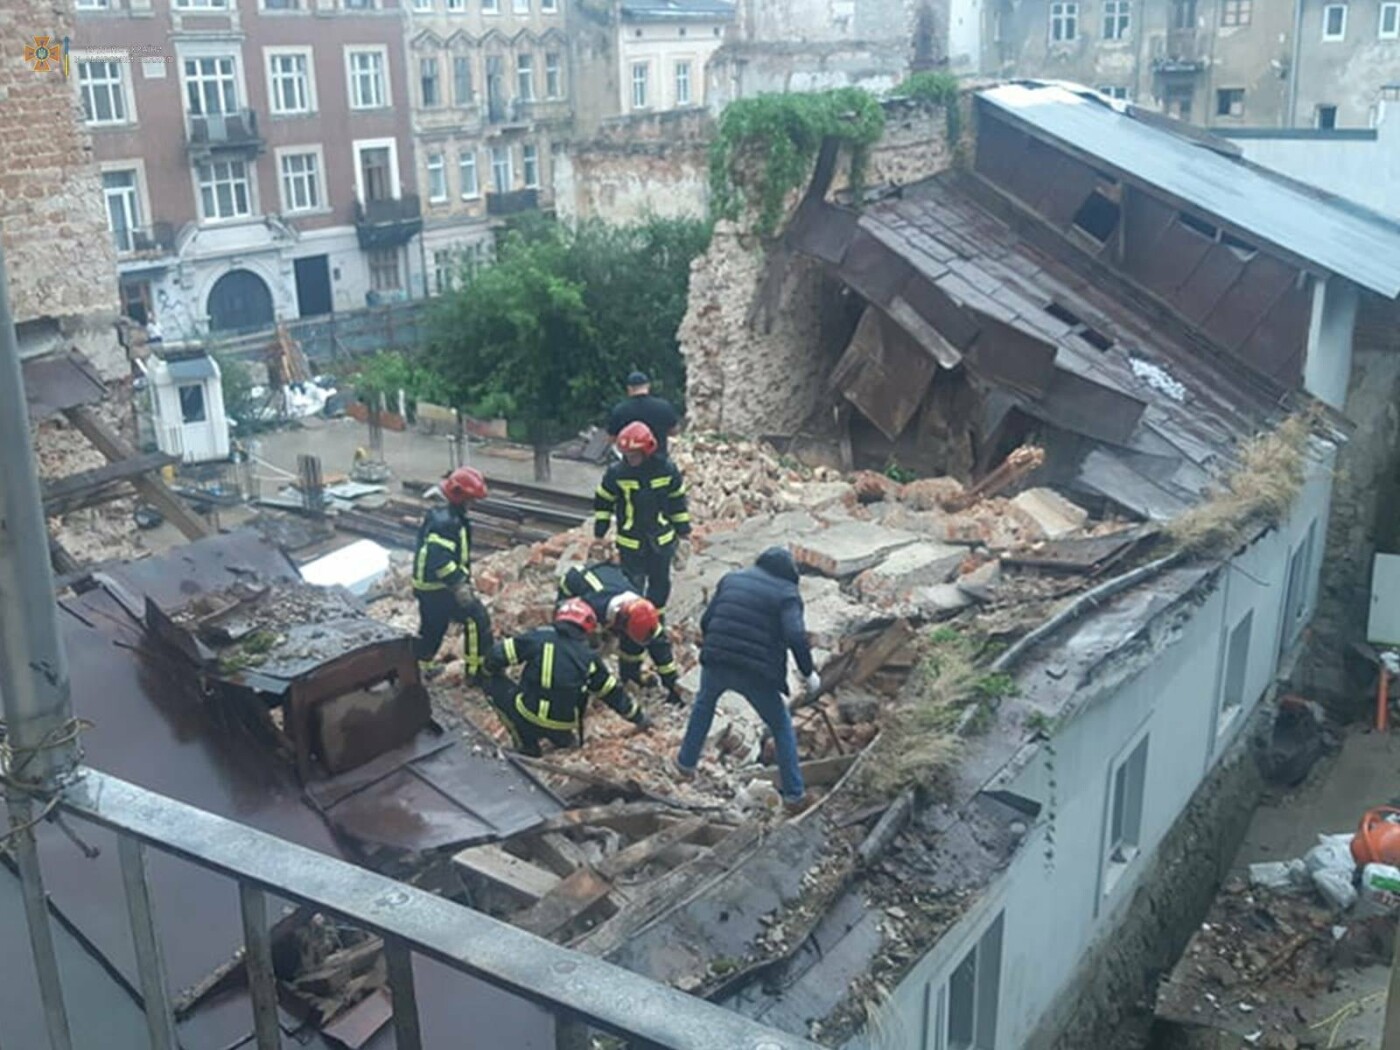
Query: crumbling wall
{"points": [[654, 164], [764, 327], [1109, 1001], [58, 255], [1365, 504]]}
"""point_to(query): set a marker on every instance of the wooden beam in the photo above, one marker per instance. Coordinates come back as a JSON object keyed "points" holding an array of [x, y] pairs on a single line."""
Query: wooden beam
{"points": [[83, 489], [573, 898], [152, 489], [504, 871]]}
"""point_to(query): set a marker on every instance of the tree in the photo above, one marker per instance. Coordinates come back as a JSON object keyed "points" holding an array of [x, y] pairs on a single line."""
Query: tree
{"points": [[517, 341]]}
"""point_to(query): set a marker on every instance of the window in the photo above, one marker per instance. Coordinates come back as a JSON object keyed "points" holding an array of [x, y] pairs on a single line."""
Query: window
{"points": [[123, 210], [1295, 596], [639, 85], [1125, 806], [466, 174], [192, 403], [1229, 102], [490, 7], [682, 83], [428, 79], [357, 5], [502, 175], [1390, 22], [525, 77], [91, 5], [443, 267], [291, 82], [553, 81], [384, 270], [520, 7], [437, 178], [367, 90], [281, 5], [1120, 93], [1117, 19], [966, 1007], [1326, 117], [200, 5], [422, 5], [223, 190], [1236, 12], [1236, 668], [1177, 99], [461, 79], [1064, 23], [1183, 14], [103, 93], [549, 6], [530, 162], [1098, 217], [301, 182], [1334, 22], [211, 87], [377, 173], [456, 5]]}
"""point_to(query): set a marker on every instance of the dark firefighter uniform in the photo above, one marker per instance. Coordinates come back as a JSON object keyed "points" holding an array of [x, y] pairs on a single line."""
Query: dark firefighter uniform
{"points": [[549, 702], [598, 585], [442, 585], [648, 501]]}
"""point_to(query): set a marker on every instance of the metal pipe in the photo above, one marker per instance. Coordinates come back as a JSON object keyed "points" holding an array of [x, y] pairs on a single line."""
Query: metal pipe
{"points": [[33, 669]]}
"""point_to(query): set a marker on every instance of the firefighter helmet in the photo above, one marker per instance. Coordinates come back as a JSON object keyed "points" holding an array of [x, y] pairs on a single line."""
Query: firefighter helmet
{"points": [[579, 613], [637, 437], [464, 483], [638, 620]]}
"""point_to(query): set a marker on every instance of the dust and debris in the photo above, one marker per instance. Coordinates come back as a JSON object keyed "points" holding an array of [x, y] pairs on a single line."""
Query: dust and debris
{"points": [[1158, 378]]}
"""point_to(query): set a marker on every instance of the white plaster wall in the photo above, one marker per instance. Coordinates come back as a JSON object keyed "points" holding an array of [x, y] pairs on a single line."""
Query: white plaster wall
{"points": [[662, 46], [1055, 912], [965, 34]]}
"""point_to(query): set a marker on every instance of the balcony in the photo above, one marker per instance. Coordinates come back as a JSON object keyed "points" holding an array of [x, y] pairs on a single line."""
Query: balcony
{"points": [[505, 112], [151, 241], [1180, 51], [388, 223], [515, 202], [235, 132]]}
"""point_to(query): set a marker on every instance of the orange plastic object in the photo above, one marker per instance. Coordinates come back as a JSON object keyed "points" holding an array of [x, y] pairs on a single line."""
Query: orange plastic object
{"points": [[1377, 840], [1383, 701]]}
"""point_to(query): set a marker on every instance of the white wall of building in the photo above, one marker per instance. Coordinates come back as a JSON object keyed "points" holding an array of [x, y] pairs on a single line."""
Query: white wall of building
{"points": [[965, 34], [1053, 913], [661, 47]]}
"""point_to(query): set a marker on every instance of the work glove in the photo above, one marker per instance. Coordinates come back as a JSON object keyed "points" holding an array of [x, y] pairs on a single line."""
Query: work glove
{"points": [[682, 558], [673, 697], [814, 683]]}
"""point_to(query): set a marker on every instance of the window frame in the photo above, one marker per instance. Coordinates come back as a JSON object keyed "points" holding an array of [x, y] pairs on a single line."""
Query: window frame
{"points": [[1235, 97], [422, 6], [376, 255], [497, 153], [199, 5], [1236, 13], [462, 98], [464, 155], [986, 953], [1117, 20], [1325, 107], [133, 203], [440, 170], [318, 177], [1064, 22], [247, 181], [1392, 9], [525, 76], [490, 7], [553, 76], [1127, 782], [358, 148], [118, 88], [233, 78], [307, 55], [203, 416], [549, 7], [386, 100], [1328, 37], [682, 65], [1234, 673], [426, 64], [530, 157], [645, 84]]}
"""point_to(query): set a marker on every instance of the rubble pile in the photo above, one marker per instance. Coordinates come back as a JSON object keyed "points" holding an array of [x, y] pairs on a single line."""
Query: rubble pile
{"points": [[734, 480]]}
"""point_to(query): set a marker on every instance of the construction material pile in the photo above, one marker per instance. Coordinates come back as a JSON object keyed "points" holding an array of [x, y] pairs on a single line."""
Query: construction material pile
{"points": [[733, 480]]}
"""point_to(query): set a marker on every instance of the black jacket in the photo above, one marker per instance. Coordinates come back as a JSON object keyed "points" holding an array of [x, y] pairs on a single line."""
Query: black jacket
{"points": [[754, 618], [648, 501], [598, 585], [561, 669], [443, 555], [656, 412]]}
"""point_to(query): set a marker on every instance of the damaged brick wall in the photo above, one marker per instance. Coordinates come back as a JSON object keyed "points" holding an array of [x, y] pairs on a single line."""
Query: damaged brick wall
{"points": [[763, 327], [657, 164], [58, 255], [1365, 502], [1110, 1001]]}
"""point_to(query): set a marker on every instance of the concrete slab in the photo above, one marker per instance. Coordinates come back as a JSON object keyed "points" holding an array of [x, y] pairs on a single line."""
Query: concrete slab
{"points": [[919, 565], [1055, 515], [846, 549], [830, 614], [939, 600], [981, 583]]}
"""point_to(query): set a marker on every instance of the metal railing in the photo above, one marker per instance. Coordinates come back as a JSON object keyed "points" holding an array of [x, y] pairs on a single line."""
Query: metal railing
{"points": [[156, 239], [237, 129], [513, 202], [406, 208], [583, 993]]}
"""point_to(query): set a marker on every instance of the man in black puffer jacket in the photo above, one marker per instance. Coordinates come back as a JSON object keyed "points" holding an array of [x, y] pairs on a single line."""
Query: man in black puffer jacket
{"points": [[753, 620]]}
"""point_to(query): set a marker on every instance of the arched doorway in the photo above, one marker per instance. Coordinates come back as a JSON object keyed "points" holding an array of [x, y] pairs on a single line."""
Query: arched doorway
{"points": [[240, 299]]}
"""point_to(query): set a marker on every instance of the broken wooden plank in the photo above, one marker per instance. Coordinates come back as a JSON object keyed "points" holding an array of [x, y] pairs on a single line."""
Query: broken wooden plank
{"points": [[637, 854], [820, 772], [76, 491], [152, 489], [504, 871], [624, 816], [572, 899], [860, 663], [558, 852]]}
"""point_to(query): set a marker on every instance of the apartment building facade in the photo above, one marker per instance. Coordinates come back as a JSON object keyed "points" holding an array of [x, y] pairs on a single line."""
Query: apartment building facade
{"points": [[492, 91], [1217, 63], [256, 156]]}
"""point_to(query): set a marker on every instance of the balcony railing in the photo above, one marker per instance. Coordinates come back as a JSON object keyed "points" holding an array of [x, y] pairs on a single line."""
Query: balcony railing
{"points": [[388, 223], [156, 239], [236, 130], [1180, 51], [581, 992], [507, 111], [512, 203]]}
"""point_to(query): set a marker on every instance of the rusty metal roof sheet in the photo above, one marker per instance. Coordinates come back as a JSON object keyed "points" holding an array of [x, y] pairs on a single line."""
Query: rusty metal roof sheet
{"points": [[1334, 234], [58, 381]]}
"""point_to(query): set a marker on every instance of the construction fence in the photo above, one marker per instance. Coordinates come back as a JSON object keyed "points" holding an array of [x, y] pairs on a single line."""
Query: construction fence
{"points": [[336, 337]]}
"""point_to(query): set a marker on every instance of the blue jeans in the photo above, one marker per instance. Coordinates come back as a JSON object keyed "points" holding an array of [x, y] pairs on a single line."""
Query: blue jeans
{"points": [[766, 699]]}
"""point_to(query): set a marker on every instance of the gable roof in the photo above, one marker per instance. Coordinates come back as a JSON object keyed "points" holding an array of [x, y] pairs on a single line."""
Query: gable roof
{"points": [[1334, 234]]}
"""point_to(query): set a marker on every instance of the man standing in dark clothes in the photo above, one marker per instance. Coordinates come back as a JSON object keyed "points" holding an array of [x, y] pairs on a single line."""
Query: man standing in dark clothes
{"points": [[639, 406]]}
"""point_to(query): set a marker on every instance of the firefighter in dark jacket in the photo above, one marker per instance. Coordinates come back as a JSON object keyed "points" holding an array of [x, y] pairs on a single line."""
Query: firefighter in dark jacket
{"points": [[753, 620], [619, 609], [646, 494], [442, 582], [560, 672]]}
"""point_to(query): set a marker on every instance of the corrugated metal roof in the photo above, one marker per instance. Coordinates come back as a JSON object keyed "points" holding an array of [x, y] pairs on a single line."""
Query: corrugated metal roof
{"points": [[1334, 234], [678, 10]]}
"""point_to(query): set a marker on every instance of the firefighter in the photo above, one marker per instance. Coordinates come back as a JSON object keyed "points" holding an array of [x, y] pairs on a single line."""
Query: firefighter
{"points": [[619, 609], [560, 672], [646, 494], [442, 580]]}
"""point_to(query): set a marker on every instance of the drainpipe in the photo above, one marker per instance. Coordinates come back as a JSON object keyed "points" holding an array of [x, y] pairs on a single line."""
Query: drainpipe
{"points": [[1295, 70], [41, 753]]}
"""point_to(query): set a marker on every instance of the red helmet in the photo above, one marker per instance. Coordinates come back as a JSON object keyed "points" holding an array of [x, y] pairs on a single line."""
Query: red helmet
{"points": [[637, 437], [579, 613], [638, 619], [463, 484]]}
